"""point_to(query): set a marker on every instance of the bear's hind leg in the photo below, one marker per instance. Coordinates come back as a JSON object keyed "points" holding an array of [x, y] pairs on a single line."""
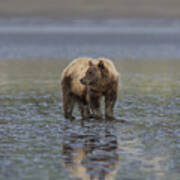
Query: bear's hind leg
{"points": [[68, 98], [68, 105]]}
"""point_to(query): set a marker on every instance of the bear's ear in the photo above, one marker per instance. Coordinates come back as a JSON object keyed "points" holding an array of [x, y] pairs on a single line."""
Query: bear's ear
{"points": [[90, 63], [101, 64]]}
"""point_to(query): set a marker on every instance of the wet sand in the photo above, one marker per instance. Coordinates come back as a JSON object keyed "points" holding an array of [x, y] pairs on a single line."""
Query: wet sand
{"points": [[88, 8]]}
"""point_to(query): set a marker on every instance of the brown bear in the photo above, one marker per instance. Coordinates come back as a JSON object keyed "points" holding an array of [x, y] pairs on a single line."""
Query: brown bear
{"points": [[85, 81]]}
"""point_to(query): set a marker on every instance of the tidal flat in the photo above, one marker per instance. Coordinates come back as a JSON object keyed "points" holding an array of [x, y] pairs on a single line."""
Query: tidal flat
{"points": [[36, 142]]}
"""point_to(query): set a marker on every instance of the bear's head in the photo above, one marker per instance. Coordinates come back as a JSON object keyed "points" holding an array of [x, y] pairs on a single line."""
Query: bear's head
{"points": [[94, 74]]}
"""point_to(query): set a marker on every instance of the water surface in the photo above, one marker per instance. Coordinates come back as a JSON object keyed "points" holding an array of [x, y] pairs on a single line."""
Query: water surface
{"points": [[130, 38], [36, 142]]}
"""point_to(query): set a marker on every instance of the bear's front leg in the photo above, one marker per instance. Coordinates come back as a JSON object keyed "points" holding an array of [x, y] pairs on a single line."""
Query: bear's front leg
{"points": [[110, 99], [95, 107], [84, 109]]}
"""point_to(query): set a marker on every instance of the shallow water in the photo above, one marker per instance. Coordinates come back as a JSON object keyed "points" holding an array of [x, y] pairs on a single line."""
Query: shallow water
{"points": [[131, 38], [36, 142]]}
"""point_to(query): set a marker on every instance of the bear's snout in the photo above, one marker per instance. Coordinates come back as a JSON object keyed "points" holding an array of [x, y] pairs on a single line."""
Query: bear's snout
{"points": [[82, 81]]}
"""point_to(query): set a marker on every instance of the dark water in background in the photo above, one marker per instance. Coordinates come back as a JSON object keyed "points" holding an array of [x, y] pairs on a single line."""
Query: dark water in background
{"points": [[115, 38], [37, 143]]}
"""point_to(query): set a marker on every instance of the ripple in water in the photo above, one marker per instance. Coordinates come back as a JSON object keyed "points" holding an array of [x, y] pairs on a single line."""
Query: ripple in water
{"points": [[36, 142]]}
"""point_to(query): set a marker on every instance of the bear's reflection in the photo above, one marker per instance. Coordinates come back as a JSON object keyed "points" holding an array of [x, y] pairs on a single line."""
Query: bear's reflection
{"points": [[90, 151]]}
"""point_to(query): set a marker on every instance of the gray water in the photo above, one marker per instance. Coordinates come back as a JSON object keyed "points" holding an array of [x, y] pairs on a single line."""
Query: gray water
{"points": [[37, 143], [114, 38]]}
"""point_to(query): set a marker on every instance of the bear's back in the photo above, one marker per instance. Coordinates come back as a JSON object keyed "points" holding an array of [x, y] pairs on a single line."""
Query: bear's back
{"points": [[75, 71], [78, 67]]}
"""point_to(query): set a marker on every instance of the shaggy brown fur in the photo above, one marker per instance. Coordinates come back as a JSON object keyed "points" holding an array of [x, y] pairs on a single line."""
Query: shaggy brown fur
{"points": [[86, 81]]}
